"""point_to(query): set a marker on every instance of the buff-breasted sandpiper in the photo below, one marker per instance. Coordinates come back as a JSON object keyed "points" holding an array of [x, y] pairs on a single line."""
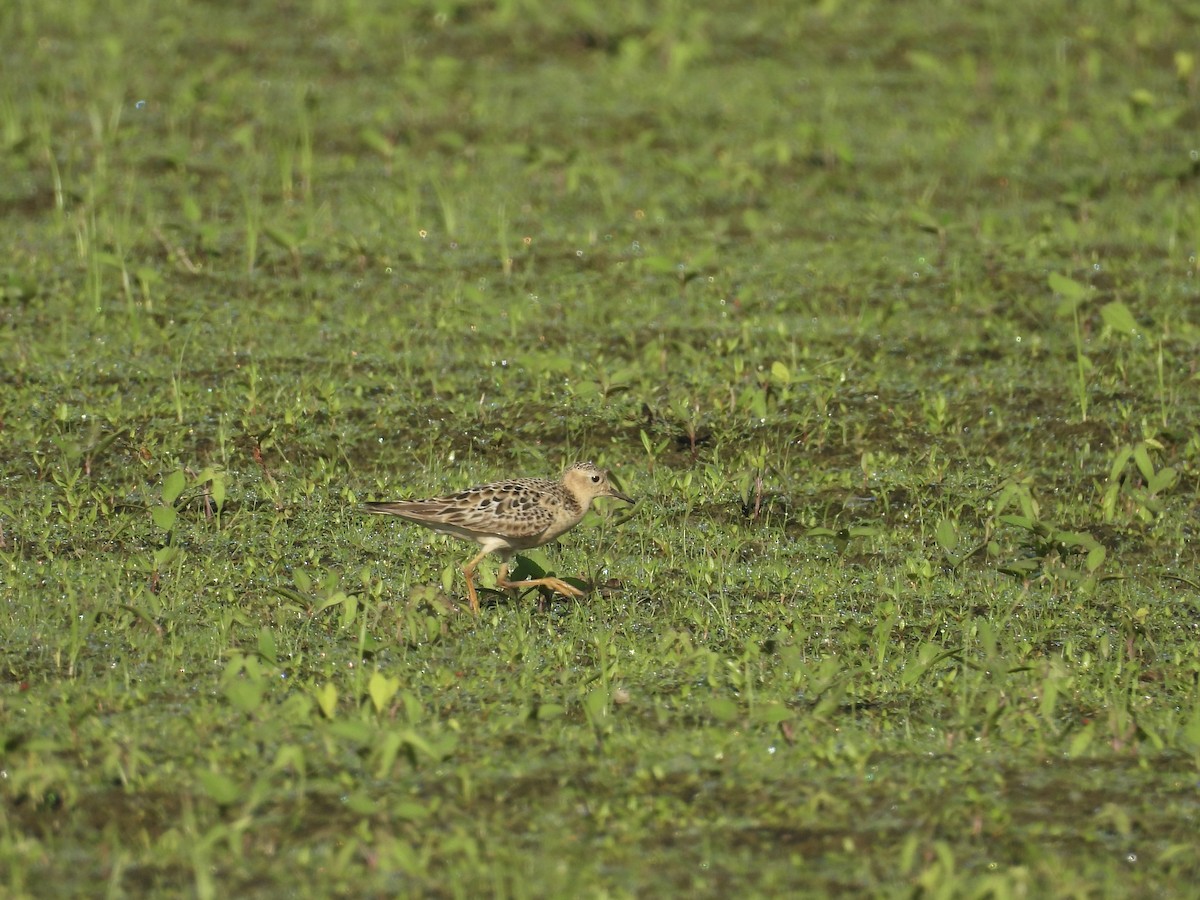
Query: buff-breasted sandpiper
{"points": [[506, 516]]}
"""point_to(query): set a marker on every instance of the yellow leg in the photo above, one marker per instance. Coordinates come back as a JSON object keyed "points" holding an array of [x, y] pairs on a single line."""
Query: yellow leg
{"points": [[469, 571], [555, 584]]}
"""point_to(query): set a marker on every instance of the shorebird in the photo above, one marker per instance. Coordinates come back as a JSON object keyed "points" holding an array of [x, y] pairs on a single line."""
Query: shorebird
{"points": [[506, 516]]}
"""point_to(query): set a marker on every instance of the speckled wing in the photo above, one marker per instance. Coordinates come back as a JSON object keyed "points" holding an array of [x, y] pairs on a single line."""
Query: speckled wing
{"points": [[507, 509]]}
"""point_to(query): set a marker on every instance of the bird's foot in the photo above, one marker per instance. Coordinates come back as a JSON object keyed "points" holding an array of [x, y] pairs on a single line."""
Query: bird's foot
{"points": [[554, 584]]}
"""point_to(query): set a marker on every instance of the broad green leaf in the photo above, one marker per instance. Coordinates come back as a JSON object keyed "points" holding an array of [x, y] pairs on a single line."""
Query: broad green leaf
{"points": [[1163, 479], [1021, 567], [191, 209], [659, 265], [386, 751], [370, 644], [355, 731], [1117, 316], [1049, 699], [410, 811], [1119, 463], [1108, 504], [290, 756], [1019, 521], [363, 803], [244, 693], [1140, 97], [947, 535], [1081, 740], [1142, 458], [280, 236], [442, 745], [930, 63], [266, 645], [922, 219], [773, 714], [1069, 289], [338, 598], [376, 141], [595, 703], [164, 517], [327, 698], [349, 605], [382, 689], [220, 787], [173, 486], [1076, 539]]}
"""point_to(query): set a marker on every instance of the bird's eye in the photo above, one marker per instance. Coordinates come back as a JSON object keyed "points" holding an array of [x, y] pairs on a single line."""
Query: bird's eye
{"points": [[595, 479]]}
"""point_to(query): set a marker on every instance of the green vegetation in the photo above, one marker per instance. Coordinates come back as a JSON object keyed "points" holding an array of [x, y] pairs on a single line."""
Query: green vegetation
{"points": [[886, 312]]}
